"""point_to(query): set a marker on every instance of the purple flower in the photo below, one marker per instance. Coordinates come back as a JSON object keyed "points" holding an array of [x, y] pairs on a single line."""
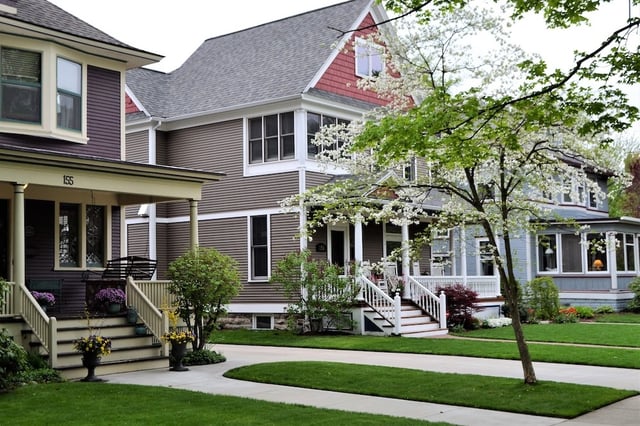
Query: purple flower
{"points": [[44, 298], [111, 295]]}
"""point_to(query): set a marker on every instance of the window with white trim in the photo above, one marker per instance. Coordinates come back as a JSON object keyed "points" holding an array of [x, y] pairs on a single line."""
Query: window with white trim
{"points": [[547, 253], [21, 85], [369, 58], [315, 122], [485, 257], [625, 252], [262, 322], [271, 138], [259, 247], [69, 95], [82, 236]]}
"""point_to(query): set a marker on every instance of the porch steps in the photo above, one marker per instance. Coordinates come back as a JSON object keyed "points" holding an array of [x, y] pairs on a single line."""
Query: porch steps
{"points": [[129, 352], [413, 322]]}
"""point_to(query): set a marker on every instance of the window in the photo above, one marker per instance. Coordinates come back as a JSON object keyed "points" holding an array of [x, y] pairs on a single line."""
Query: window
{"points": [[625, 252], [259, 237], [485, 258], [271, 138], [571, 253], [69, 95], [314, 123], [409, 171], [368, 58], [81, 236], [441, 253], [596, 252], [20, 88], [263, 322], [547, 253]]}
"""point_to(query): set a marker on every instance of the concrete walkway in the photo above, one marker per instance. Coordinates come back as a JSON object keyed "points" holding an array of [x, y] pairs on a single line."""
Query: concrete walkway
{"points": [[209, 379]]}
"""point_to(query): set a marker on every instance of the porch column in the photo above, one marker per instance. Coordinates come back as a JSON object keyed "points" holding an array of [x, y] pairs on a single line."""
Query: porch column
{"points": [[18, 234], [463, 254], [611, 259], [405, 257], [193, 221], [358, 253]]}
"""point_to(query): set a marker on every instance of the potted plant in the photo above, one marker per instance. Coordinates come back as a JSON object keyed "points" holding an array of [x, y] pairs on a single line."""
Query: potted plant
{"points": [[92, 348], [111, 298], [44, 298], [178, 340]]}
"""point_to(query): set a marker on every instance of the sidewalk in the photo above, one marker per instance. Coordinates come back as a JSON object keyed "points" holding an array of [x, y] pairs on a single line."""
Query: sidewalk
{"points": [[209, 379]]}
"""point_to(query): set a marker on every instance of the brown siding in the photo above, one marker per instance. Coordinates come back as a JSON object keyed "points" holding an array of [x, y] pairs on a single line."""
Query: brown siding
{"points": [[315, 179], [138, 240], [161, 148], [161, 250], [137, 147]]}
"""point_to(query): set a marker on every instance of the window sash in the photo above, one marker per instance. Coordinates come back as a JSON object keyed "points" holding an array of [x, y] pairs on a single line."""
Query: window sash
{"points": [[259, 247], [271, 138], [69, 95], [368, 58], [20, 85]]}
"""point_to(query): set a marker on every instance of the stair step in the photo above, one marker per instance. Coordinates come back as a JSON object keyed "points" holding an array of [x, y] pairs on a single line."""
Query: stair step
{"points": [[74, 359], [111, 331], [116, 342], [107, 367]]}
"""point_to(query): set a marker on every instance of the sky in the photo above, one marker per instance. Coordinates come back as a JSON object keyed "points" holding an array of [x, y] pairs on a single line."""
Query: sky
{"points": [[175, 29]]}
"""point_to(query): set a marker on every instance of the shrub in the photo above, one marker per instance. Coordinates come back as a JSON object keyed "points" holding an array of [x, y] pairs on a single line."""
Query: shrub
{"points": [[634, 305], [13, 360], [541, 295], [604, 309], [203, 357], [39, 375], [566, 315], [584, 312], [496, 322], [462, 302]]}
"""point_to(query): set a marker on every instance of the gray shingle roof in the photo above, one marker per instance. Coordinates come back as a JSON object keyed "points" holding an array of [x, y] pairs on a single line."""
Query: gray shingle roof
{"points": [[47, 15], [267, 62]]}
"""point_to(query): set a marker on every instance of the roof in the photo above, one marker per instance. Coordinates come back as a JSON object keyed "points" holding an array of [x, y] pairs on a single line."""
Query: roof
{"points": [[265, 63], [40, 14]]}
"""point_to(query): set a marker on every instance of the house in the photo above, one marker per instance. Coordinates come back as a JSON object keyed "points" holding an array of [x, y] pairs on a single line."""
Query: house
{"points": [[64, 181]]}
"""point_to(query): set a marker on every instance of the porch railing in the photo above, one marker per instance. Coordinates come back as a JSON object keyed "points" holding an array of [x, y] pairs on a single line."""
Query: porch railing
{"points": [[45, 328], [485, 286], [143, 295], [387, 307], [435, 306]]}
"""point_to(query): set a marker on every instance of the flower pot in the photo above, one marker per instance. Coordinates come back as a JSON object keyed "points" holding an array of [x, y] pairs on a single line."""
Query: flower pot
{"points": [[132, 315], [141, 330], [113, 308], [178, 351], [90, 360]]}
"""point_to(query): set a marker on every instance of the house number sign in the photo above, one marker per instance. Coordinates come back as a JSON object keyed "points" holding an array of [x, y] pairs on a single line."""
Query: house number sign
{"points": [[67, 180]]}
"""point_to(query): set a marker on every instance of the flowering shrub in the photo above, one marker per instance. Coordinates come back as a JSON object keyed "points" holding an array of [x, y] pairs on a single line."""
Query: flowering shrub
{"points": [[496, 322], [111, 295], [93, 344], [566, 315], [44, 298]]}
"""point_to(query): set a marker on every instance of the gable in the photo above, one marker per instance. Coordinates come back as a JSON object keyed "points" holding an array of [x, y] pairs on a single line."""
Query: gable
{"points": [[340, 76]]}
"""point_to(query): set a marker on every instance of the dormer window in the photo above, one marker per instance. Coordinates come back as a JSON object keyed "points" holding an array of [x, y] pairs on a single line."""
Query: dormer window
{"points": [[20, 85], [69, 95], [368, 58]]}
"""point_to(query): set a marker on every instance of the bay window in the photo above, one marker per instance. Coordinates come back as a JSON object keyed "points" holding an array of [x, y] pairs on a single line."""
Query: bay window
{"points": [[69, 95], [271, 138], [315, 122], [20, 85]]}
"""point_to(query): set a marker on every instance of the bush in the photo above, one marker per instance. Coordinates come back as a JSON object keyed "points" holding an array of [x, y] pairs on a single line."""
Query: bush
{"points": [[566, 315], [39, 375], [461, 304], [541, 295], [634, 305], [604, 309], [584, 312], [203, 357], [13, 360]]}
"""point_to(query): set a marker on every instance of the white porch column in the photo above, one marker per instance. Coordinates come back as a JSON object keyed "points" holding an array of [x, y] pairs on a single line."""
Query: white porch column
{"points": [[405, 258], [193, 221], [19, 273], [153, 239], [611, 259], [358, 253], [463, 254]]}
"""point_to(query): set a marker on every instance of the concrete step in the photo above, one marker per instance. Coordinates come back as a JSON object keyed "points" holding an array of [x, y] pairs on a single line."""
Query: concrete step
{"points": [[107, 367], [117, 342], [74, 359], [431, 333], [96, 322], [111, 331]]}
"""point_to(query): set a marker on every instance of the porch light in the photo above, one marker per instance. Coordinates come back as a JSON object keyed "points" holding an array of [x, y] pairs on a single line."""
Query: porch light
{"points": [[597, 264], [549, 251]]}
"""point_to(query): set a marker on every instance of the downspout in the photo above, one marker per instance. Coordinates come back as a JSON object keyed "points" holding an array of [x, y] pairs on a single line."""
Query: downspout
{"points": [[152, 221]]}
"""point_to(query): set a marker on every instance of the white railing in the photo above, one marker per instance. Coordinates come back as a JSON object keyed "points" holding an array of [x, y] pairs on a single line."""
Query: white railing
{"points": [[383, 304], [142, 295], [485, 286], [43, 327], [435, 306]]}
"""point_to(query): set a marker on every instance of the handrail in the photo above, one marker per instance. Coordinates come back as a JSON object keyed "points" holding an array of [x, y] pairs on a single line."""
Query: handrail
{"points": [[487, 286], [156, 321], [435, 306], [387, 307], [43, 327]]}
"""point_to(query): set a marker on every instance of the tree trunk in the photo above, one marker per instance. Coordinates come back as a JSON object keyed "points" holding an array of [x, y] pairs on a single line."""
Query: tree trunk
{"points": [[511, 290]]}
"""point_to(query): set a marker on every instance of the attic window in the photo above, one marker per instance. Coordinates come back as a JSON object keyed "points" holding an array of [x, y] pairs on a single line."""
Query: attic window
{"points": [[368, 58]]}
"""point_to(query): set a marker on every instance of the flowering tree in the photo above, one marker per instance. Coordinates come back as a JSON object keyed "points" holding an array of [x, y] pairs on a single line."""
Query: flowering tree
{"points": [[495, 139]]}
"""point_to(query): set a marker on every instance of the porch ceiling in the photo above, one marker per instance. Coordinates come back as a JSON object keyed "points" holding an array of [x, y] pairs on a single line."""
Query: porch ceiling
{"points": [[132, 183]]}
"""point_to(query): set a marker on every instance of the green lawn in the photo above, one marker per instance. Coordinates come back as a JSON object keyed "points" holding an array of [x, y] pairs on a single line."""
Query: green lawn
{"points": [[601, 356], [493, 393], [625, 317], [76, 403], [627, 335]]}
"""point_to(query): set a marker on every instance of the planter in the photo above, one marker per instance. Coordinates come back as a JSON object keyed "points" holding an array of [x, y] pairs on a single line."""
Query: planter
{"points": [[132, 315], [90, 361], [114, 308], [141, 330], [178, 351]]}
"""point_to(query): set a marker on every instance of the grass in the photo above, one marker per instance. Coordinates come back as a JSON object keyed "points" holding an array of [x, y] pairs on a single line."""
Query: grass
{"points": [[503, 394], [75, 403], [599, 356], [623, 317], [627, 335]]}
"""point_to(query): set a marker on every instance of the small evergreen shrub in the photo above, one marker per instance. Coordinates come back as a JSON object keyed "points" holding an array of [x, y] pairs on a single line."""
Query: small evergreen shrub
{"points": [[634, 305], [13, 360], [604, 309], [541, 295], [462, 302], [203, 357]]}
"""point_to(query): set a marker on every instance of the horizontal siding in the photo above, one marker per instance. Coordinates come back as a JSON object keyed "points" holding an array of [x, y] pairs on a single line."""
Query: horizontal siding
{"points": [[314, 179], [137, 147], [138, 240]]}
